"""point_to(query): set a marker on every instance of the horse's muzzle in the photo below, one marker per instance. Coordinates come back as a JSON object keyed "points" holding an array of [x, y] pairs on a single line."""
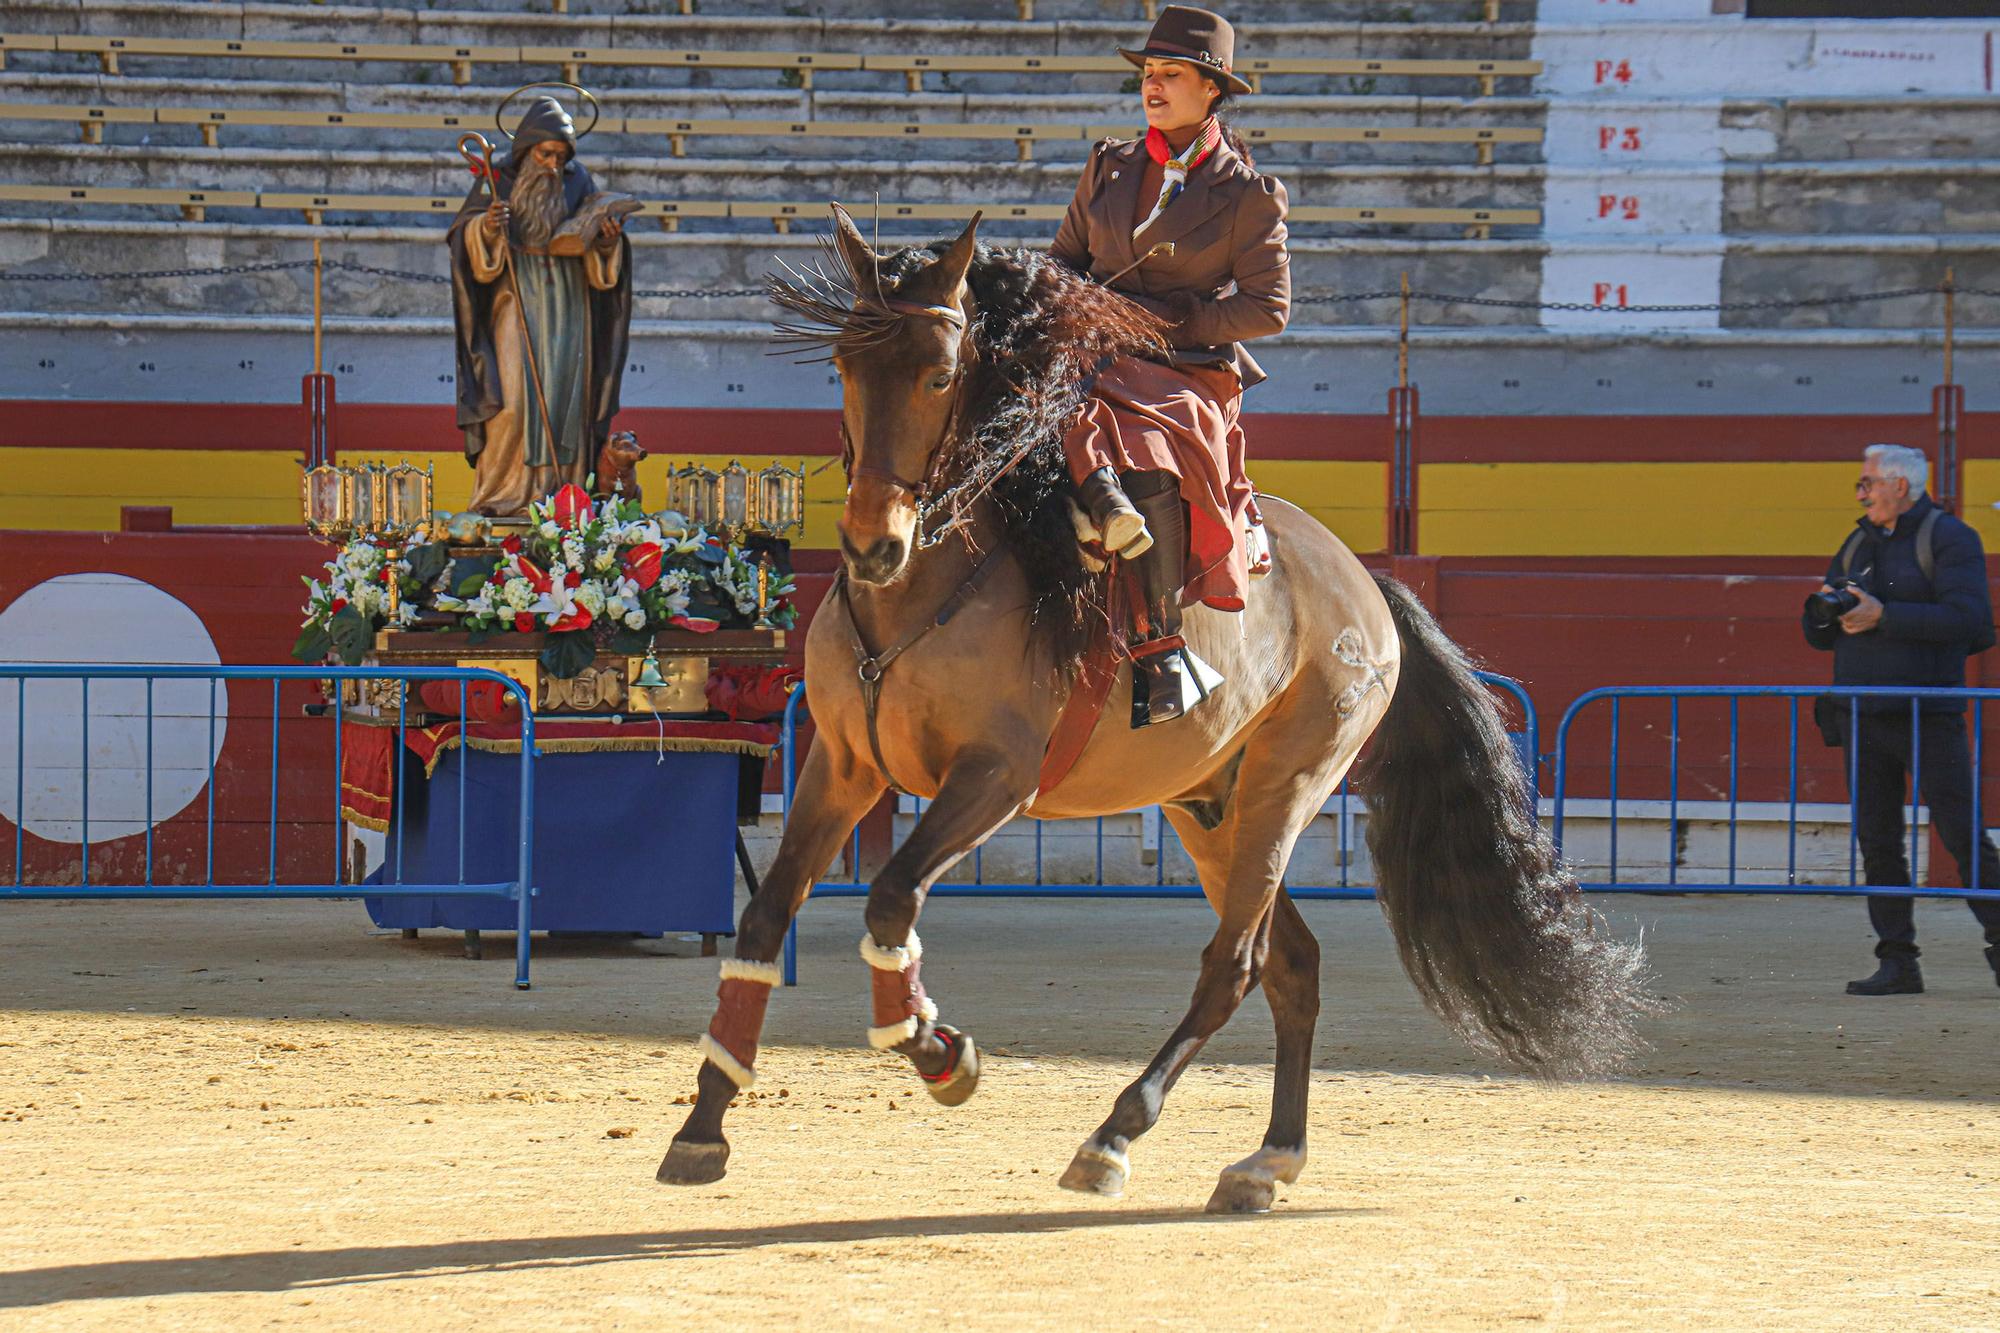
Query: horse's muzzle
{"points": [[881, 563]]}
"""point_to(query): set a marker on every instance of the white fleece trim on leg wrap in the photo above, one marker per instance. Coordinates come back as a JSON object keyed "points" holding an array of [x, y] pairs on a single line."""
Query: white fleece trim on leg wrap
{"points": [[895, 1034], [718, 1055], [892, 1034], [749, 969], [885, 958]]}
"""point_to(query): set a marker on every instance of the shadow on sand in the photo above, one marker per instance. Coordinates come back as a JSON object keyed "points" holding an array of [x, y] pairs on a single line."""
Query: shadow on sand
{"points": [[295, 1270]]}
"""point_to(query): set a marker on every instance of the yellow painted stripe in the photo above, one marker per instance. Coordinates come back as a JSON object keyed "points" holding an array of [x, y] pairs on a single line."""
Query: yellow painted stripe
{"points": [[1349, 498], [1982, 491], [84, 488], [1634, 508]]}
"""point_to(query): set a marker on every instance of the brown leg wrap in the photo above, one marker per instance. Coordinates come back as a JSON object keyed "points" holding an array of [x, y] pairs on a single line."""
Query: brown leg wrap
{"points": [[738, 1022], [897, 995]]}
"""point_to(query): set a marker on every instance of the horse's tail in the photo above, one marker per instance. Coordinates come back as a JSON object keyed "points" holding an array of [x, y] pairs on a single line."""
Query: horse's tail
{"points": [[1490, 926]]}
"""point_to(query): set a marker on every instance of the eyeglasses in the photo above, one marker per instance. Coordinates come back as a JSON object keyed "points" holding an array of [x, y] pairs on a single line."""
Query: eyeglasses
{"points": [[1864, 485]]}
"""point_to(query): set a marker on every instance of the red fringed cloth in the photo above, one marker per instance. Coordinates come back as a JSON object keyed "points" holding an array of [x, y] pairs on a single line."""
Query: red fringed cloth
{"points": [[367, 750]]}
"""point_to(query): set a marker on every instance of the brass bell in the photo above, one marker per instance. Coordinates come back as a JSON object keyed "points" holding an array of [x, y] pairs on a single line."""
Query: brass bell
{"points": [[649, 673]]}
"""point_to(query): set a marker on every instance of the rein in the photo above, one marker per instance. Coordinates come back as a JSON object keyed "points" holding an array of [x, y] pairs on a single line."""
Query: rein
{"points": [[869, 667]]}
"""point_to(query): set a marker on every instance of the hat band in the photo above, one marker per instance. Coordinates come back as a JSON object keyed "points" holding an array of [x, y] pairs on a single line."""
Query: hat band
{"points": [[1168, 51]]}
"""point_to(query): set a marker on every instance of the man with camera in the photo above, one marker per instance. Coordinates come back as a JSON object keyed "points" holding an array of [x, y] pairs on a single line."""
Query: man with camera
{"points": [[1904, 603]]}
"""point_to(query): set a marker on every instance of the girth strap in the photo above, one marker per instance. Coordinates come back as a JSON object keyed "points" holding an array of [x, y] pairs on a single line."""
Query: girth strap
{"points": [[871, 666]]}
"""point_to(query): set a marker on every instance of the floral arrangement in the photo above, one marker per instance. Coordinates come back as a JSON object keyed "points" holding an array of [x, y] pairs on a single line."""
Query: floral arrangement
{"points": [[587, 574]]}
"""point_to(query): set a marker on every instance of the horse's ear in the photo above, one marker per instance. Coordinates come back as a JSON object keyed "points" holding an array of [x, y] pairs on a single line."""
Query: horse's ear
{"points": [[856, 254], [956, 261]]}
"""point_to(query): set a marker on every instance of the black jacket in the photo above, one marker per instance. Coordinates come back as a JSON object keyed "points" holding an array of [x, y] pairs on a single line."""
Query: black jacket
{"points": [[1928, 625]]}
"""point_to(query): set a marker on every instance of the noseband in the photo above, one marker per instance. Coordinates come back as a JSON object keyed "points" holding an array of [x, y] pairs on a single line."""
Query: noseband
{"points": [[918, 490]]}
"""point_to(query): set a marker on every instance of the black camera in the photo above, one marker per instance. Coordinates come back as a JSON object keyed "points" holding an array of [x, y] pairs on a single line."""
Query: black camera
{"points": [[1824, 609]]}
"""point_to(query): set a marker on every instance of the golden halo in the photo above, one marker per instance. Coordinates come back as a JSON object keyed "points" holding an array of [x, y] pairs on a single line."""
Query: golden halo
{"points": [[578, 89]]}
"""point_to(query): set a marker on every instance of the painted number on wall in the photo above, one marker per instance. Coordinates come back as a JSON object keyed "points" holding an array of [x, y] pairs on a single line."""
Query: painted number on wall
{"points": [[1618, 207], [1611, 71], [1609, 293], [1618, 139]]}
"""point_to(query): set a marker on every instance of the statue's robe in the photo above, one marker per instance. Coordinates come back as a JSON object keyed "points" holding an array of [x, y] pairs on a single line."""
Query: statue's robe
{"points": [[578, 313]]}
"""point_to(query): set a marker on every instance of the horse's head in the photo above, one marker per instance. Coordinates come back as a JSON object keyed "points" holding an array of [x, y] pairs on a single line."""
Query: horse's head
{"points": [[900, 376]]}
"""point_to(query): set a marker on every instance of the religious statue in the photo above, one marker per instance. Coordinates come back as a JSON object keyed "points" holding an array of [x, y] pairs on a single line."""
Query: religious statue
{"points": [[541, 277]]}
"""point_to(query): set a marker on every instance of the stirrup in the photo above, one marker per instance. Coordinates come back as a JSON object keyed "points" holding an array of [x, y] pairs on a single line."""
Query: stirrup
{"points": [[1193, 681]]}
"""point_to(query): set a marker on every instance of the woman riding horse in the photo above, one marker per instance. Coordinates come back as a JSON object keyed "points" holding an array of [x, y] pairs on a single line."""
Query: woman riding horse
{"points": [[1181, 223]]}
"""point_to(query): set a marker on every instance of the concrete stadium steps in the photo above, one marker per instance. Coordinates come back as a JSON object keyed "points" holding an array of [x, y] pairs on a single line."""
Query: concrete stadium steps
{"points": [[1893, 197], [871, 35], [1130, 12], [1078, 109], [1754, 269], [741, 180]]}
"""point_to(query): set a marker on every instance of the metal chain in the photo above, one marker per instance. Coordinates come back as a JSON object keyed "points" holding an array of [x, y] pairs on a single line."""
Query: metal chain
{"points": [[1304, 295]]}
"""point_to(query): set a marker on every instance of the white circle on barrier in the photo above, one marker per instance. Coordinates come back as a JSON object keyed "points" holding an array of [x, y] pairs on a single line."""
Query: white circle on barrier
{"points": [[102, 619]]}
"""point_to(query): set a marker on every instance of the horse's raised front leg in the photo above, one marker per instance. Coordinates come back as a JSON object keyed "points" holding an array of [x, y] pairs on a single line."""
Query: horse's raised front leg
{"points": [[982, 791], [833, 794]]}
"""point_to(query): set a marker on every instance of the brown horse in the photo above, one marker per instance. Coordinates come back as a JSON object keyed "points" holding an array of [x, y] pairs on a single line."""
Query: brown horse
{"points": [[940, 667]]}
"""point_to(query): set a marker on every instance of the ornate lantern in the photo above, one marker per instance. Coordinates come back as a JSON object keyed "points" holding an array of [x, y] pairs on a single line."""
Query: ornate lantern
{"points": [[735, 505], [358, 495], [696, 492], [781, 499], [407, 493], [325, 511]]}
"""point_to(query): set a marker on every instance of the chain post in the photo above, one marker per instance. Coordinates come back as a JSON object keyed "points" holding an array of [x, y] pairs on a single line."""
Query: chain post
{"points": [[1950, 321], [319, 279]]}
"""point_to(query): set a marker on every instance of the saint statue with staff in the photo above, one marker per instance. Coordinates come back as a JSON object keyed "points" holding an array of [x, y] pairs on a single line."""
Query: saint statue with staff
{"points": [[541, 282]]}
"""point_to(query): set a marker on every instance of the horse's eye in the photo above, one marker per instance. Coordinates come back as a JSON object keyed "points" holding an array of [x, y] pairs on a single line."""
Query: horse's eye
{"points": [[939, 383]]}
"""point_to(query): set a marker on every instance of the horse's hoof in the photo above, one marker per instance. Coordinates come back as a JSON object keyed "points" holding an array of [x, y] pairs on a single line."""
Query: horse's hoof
{"points": [[957, 1084], [688, 1163], [1241, 1194], [1099, 1171], [1251, 1184]]}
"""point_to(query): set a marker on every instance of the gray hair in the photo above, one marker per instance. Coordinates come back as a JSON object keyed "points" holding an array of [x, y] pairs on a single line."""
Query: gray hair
{"points": [[1899, 460]]}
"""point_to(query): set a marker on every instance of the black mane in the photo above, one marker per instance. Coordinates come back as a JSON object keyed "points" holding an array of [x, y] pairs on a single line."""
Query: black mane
{"points": [[1041, 333]]}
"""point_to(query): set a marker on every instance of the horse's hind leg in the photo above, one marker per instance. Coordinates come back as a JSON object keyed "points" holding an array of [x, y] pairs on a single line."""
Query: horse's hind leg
{"points": [[1291, 984], [1231, 967]]}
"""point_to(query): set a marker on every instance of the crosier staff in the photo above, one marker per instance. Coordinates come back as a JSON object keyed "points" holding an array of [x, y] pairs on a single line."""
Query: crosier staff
{"points": [[482, 165]]}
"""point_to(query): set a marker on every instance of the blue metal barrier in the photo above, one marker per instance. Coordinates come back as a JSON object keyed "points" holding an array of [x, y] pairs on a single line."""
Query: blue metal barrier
{"points": [[1525, 744], [519, 889], [1735, 695]]}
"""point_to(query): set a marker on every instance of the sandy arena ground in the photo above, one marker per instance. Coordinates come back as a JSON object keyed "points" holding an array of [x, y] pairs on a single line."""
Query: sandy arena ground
{"points": [[269, 1114]]}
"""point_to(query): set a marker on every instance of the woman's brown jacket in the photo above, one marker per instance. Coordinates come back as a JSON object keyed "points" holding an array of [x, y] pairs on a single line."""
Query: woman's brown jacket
{"points": [[1228, 230]]}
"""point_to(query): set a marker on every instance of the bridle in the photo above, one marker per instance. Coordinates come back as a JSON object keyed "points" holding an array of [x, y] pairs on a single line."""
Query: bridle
{"points": [[923, 491]]}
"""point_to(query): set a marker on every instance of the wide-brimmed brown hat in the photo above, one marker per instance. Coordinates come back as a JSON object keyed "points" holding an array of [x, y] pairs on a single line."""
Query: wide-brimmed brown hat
{"points": [[1196, 36]]}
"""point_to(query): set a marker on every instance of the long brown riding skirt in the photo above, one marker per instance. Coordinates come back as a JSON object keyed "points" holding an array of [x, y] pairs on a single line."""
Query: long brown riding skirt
{"points": [[1142, 416]]}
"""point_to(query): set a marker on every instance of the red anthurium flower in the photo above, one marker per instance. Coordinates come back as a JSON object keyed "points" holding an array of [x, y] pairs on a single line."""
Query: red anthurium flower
{"points": [[578, 618], [572, 579], [524, 622], [696, 624], [512, 546], [572, 506], [642, 563], [532, 572], [339, 604]]}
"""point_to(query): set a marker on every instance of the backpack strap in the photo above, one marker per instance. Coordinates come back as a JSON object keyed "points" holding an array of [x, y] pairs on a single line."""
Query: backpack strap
{"points": [[1926, 558], [1848, 550]]}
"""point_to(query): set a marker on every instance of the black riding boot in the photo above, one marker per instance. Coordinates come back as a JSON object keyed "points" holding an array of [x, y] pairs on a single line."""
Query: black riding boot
{"points": [[1157, 691], [1120, 526], [1898, 975]]}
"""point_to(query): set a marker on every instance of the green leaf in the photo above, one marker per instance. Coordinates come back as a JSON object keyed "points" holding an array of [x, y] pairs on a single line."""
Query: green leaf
{"points": [[313, 644], [567, 654], [351, 635], [631, 641], [477, 637], [428, 561]]}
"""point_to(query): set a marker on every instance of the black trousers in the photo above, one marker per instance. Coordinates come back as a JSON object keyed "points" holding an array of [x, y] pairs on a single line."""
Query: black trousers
{"points": [[1881, 769]]}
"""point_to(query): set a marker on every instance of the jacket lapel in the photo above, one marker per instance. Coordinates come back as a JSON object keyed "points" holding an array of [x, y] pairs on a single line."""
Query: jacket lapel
{"points": [[1197, 203], [1117, 203]]}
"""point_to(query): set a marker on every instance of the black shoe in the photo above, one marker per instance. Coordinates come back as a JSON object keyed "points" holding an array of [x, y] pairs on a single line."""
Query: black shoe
{"points": [[1156, 689], [1993, 961], [1120, 526], [1898, 975]]}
